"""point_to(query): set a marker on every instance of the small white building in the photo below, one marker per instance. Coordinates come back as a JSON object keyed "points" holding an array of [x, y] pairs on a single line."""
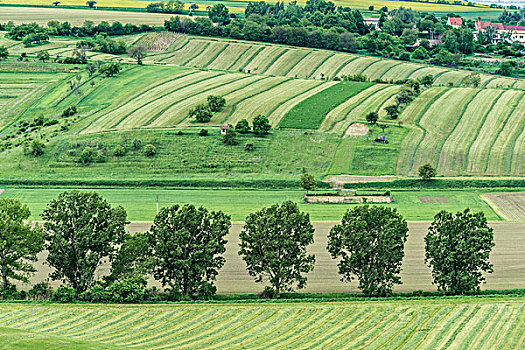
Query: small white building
{"points": [[224, 128]]}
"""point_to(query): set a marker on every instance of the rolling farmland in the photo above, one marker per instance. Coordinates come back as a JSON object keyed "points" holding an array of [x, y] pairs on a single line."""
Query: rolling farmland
{"points": [[278, 60], [480, 132], [413, 324]]}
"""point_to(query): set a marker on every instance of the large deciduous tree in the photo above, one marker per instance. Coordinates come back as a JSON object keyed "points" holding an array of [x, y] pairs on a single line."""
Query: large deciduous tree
{"points": [[370, 244], [458, 250], [82, 231], [19, 242], [187, 245], [274, 243], [138, 52]]}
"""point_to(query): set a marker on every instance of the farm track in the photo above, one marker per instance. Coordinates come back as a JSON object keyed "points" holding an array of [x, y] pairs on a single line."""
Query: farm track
{"points": [[418, 324]]}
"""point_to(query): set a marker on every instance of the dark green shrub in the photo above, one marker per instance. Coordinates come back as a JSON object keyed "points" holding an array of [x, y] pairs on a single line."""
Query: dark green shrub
{"points": [[97, 294], [119, 151], [64, 294], [203, 132], [69, 111], [130, 290], [40, 291], [150, 150], [137, 143]]}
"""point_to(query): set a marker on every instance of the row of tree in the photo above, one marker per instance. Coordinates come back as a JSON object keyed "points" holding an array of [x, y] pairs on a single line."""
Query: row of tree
{"points": [[184, 247]]}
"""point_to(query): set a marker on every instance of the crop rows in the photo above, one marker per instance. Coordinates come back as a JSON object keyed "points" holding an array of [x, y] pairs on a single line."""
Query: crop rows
{"points": [[466, 131], [496, 324], [160, 97], [270, 59], [510, 205]]}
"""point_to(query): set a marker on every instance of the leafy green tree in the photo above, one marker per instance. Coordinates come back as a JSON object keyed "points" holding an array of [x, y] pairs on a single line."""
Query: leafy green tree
{"points": [[119, 151], [274, 243], [138, 52], [133, 258], [202, 113], [19, 242], [150, 150], [472, 79], [82, 231], [216, 103], [427, 80], [36, 148], [427, 172], [43, 56], [243, 126], [308, 182], [457, 248], [420, 53], [230, 138], [219, 14], [187, 245], [392, 111], [372, 117], [3, 53], [370, 244], [506, 68], [261, 125], [110, 69]]}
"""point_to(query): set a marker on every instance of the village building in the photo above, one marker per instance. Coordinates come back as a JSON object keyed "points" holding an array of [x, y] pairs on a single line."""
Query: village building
{"points": [[510, 33], [224, 128], [372, 21], [455, 22]]}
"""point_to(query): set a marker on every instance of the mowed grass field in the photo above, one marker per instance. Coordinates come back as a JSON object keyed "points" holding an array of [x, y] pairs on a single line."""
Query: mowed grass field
{"points": [[465, 131], [464, 323], [280, 60], [140, 203]]}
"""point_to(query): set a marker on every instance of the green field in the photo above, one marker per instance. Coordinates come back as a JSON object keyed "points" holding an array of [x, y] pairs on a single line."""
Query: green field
{"points": [[141, 203], [311, 112], [413, 324]]}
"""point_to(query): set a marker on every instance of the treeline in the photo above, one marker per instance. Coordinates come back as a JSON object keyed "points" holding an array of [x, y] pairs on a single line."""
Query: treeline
{"points": [[184, 250], [54, 28]]}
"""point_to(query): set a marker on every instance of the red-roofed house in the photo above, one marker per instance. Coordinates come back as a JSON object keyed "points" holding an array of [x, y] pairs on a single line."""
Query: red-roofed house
{"points": [[502, 32], [455, 22], [372, 21]]}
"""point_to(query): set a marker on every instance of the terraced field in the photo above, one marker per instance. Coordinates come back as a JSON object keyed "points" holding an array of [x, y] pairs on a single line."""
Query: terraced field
{"points": [[466, 131], [161, 97], [19, 89], [278, 60], [490, 323]]}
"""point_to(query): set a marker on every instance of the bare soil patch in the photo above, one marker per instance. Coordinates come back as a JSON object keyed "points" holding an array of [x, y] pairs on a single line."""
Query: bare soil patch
{"points": [[358, 178], [356, 130], [510, 205], [426, 199], [1, 190], [441, 199]]}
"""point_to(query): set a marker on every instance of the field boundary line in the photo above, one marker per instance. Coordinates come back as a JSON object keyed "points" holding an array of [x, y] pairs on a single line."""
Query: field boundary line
{"points": [[138, 94], [458, 120], [170, 91], [368, 65], [316, 67], [500, 129], [482, 122], [272, 61], [197, 54], [216, 55], [389, 69], [514, 157], [158, 114], [250, 59], [306, 53], [344, 64], [422, 129]]}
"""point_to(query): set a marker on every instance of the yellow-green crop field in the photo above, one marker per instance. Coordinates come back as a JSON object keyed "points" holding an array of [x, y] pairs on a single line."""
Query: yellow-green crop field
{"points": [[462, 323]]}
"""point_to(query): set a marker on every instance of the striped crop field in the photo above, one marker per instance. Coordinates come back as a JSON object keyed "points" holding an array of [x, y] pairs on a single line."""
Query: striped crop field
{"points": [[466, 131], [19, 89], [161, 97], [509, 205], [459, 323], [293, 62]]}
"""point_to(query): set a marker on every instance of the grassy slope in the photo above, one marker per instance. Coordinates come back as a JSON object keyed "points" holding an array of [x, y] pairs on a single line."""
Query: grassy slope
{"points": [[141, 203], [310, 113], [409, 324]]}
